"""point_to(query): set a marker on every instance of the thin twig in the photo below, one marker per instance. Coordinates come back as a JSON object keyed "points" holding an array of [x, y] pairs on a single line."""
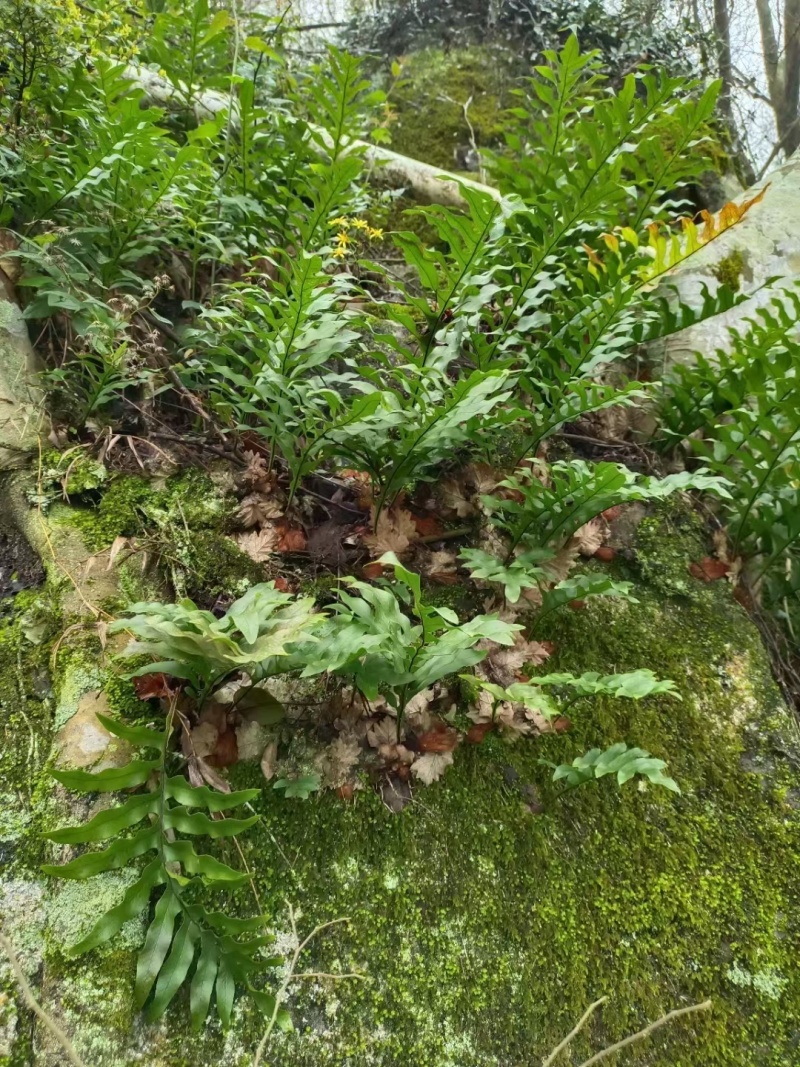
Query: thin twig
{"points": [[646, 1032], [574, 1031], [292, 975], [35, 1006]]}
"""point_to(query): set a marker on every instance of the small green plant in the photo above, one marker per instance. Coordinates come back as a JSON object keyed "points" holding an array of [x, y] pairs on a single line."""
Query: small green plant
{"points": [[254, 635], [300, 786], [225, 951], [536, 515], [740, 412], [620, 760], [372, 640]]}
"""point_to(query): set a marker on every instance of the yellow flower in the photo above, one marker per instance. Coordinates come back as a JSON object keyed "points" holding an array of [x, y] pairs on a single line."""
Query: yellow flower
{"points": [[344, 239], [342, 220], [360, 224], [375, 234], [340, 251], [162, 73]]}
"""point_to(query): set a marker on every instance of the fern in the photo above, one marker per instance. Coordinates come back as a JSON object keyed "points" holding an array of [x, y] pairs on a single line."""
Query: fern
{"points": [[540, 515], [620, 760], [741, 414], [213, 951]]}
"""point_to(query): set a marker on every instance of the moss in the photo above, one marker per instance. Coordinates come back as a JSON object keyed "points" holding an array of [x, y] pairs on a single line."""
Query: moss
{"points": [[484, 931], [189, 500], [429, 103], [205, 565], [730, 269]]}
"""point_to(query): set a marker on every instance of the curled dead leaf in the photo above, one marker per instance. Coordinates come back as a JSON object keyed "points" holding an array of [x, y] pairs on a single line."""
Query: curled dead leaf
{"points": [[269, 760], [478, 733], [605, 553], [440, 738], [709, 570], [154, 687], [259, 508]]}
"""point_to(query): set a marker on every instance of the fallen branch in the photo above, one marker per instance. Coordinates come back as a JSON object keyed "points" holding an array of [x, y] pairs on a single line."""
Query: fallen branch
{"points": [[35, 1006], [640, 1035]]}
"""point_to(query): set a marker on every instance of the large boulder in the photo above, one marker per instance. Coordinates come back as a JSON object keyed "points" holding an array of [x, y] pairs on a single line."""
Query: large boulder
{"points": [[482, 929]]}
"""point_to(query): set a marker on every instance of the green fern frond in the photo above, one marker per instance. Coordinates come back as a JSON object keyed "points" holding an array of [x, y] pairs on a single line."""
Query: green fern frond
{"points": [[184, 942]]}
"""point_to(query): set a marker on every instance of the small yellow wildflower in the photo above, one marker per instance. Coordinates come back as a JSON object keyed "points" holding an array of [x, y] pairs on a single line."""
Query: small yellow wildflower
{"points": [[340, 251], [162, 73], [344, 239], [360, 224], [375, 233], [342, 220]]}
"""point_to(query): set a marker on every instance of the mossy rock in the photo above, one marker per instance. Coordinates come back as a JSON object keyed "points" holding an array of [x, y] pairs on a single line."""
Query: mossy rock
{"points": [[430, 101], [482, 930]]}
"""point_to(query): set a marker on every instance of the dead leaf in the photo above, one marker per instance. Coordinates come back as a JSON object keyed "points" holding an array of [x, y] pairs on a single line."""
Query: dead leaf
{"points": [[483, 477], [371, 571], [428, 525], [269, 760], [153, 687], [561, 724], [249, 740], [440, 738], [226, 750], [259, 544], [383, 732], [338, 760], [259, 508], [590, 536], [208, 776], [282, 584], [256, 476], [430, 767], [203, 739], [346, 792], [504, 664], [709, 570], [292, 539], [719, 539], [395, 532], [452, 495], [606, 554], [116, 547], [477, 733], [562, 563], [440, 567]]}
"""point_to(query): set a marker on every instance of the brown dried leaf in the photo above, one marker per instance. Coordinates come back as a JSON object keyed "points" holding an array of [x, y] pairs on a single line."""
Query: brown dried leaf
{"points": [[430, 767], [504, 664], [259, 544], [395, 532], [269, 760], [383, 732], [452, 495], [590, 537], [338, 761], [440, 567], [203, 739], [153, 687], [439, 738], [483, 477], [259, 508], [117, 546], [256, 475], [709, 570], [292, 539]]}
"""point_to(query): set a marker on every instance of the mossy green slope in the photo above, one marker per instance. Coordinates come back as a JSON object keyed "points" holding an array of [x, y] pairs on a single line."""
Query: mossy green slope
{"points": [[483, 931]]}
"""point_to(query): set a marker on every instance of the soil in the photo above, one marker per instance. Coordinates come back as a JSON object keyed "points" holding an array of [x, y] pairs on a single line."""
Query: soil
{"points": [[20, 566]]}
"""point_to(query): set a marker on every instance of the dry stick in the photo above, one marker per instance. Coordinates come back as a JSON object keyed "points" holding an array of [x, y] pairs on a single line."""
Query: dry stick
{"points": [[574, 1031], [35, 1006], [641, 1034], [291, 977], [638, 1036]]}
